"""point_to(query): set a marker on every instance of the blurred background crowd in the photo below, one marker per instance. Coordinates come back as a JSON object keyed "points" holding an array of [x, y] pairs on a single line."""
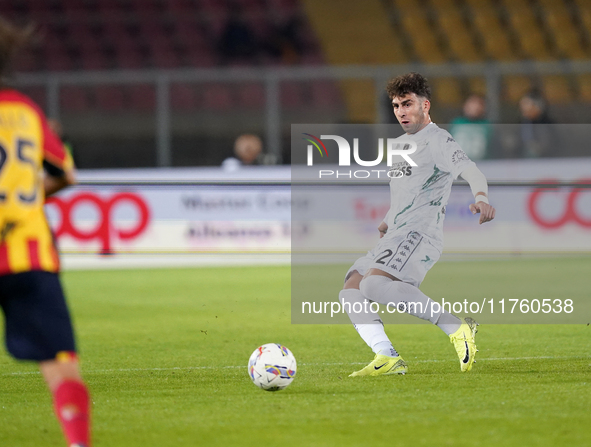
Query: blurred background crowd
{"points": [[143, 83]]}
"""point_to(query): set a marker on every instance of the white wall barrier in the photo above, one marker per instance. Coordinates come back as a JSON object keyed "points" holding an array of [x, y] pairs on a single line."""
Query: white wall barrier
{"points": [[270, 217]]}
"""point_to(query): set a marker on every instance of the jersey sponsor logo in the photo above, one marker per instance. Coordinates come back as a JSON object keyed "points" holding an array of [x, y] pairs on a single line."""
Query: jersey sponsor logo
{"points": [[399, 170], [572, 211], [105, 228]]}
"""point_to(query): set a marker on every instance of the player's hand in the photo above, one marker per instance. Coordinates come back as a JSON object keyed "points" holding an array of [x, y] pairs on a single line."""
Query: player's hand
{"points": [[383, 228], [487, 212]]}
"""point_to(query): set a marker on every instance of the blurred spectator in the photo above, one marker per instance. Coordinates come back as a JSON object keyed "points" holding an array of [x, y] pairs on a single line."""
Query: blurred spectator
{"points": [[238, 41], [537, 136], [472, 130], [248, 150], [285, 42]]}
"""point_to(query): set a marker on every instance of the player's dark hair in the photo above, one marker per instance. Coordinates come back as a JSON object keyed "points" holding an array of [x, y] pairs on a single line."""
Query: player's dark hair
{"points": [[12, 38], [409, 83]]}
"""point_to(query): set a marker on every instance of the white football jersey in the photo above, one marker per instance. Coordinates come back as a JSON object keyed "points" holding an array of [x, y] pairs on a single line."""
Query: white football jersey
{"points": [[418, 197]]}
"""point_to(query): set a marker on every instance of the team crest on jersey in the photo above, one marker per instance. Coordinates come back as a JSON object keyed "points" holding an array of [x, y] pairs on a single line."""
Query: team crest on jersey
{"points": [[458, 156]]}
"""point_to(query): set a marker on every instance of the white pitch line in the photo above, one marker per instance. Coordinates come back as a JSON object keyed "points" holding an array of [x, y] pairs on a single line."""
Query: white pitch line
{"points": [[190, 368]]}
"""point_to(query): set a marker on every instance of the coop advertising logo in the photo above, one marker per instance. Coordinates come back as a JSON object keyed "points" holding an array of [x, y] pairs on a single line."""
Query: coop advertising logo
{"points": [[572, 210], [394, 150], [104, 229]]}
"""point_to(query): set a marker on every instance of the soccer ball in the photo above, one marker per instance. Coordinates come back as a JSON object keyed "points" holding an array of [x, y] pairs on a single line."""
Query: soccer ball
{"points": [[272, 367]]}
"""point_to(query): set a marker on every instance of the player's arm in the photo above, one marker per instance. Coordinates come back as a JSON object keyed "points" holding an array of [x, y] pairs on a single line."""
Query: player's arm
{"points": [[479, 187], [383, 226], [58, 165], [56, 179]]}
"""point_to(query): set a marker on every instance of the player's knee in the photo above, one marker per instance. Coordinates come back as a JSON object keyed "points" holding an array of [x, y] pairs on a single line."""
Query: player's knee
{"points": [[372, 286], [353, 279]]}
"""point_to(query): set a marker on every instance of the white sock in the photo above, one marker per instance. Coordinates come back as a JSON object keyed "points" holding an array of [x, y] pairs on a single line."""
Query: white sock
{"points": [[384, 290], [369, 326]]}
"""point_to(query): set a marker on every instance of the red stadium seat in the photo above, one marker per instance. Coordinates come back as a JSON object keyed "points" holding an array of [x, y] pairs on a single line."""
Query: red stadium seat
{"points": [[129, 59], [56, 59], [251, 96], [183, 97], [164, 57], [94, 60], [74, 99], [217, 97], [292, 94], [199, 58], [142, 97], [109, 98], [326, 95]]}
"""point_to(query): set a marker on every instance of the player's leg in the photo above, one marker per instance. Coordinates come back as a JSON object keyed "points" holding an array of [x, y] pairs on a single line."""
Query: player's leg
{"points": [[384, 288], [38, 328], [371, 329], [70, 397], [395, 273], [369, 326], [393, 279]]}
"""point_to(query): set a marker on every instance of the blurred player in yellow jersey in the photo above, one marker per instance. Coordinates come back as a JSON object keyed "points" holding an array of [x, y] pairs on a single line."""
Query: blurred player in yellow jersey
{"points": [[33, 165]]}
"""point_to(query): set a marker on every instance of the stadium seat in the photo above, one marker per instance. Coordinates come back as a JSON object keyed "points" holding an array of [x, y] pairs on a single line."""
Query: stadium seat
{"points": [[251, 96], [564, 32], [94, 60], [37, 94], [447, 91], [57, 59], [292, 95], [531, 38], [426, 45], [584, 87], [556, 89], [326, 95], [180, 6], [585, 15], [217, 97], [477, 85], [199, 57], [109, 98], [494, 37], [74, 99], [27, 61], [142, 97], [129, 59], [515, 86], [459, 39], [183, 97]]}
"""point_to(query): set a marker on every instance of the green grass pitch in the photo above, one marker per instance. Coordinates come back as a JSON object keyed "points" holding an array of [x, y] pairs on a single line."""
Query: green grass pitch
{"points": [[165, 352]]}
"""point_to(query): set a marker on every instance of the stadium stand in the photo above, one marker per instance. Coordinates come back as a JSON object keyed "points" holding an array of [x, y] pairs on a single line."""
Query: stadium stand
{"points": [[139, 34], [88, 35]]}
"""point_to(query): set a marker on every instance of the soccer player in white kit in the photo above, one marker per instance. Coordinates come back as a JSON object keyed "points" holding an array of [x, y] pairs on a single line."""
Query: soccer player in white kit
{"points": [[411, 234]]}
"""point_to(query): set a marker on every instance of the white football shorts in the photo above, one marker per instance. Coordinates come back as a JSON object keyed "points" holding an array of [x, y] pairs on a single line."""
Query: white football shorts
{"points": [[406, 256]]}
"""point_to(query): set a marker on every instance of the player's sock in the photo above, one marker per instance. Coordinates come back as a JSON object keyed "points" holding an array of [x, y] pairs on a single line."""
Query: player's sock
{"points": [[410, 299], [448, 323], [71, 403], [369, 326], [385, 348]]}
